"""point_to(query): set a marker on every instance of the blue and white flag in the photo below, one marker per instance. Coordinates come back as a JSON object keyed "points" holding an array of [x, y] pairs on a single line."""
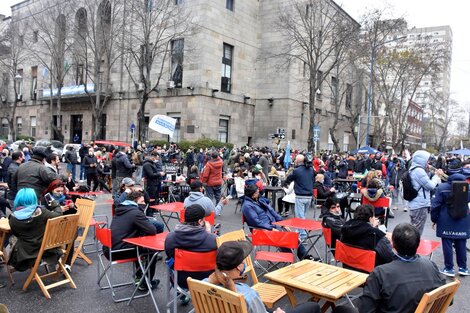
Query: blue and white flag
{"points": [[163, 124]]}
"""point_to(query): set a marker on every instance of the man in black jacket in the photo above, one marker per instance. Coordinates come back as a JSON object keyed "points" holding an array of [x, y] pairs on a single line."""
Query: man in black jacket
{"points": [[129, 222], [72, 160], [332, 219], [153, 175], [193, 235], [121, 167], [82, 152], [17, 158]]}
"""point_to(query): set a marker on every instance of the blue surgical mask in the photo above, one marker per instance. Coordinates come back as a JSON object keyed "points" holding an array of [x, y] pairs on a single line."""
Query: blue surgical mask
{"points": [[243, 270]]}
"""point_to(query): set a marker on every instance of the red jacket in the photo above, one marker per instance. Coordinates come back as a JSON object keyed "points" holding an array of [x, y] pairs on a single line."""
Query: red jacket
{"points": [[212, 173]]}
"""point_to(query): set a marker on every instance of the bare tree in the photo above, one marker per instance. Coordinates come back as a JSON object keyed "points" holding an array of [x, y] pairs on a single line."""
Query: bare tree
{"points": [[12, 56], [53, 20], [315, 32], [98, 39], [156, 34]]}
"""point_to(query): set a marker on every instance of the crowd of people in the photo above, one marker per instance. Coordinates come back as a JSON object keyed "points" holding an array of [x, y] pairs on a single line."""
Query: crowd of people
{"points": [[38, 190]]}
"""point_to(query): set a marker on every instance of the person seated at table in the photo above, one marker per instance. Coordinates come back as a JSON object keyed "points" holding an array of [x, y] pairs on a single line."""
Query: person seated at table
{"points": [[194, 234], [28, 223], [196, 196], [324, 193], [273, 175], [230, 273], [362, 232], [399, 285], [369, 176], [332, 219], [59, 193], [129, 222], [373, 192], [258, 213]]}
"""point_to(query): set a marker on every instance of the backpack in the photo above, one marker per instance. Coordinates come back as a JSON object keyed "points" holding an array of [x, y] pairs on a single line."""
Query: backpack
{"points": [[457, 201], [409, 192]]}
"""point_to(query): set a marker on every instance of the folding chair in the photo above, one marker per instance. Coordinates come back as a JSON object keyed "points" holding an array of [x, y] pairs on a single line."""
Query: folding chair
{"points": [[85, 208], [239, 204], [427, 247], [357, 258], [279, 239], [268, 293], [59, 231], [317, 203], [209, 298], [328, 247], [188, 261], [104, 237], [439, 299], [384, 202], [210, 218]]}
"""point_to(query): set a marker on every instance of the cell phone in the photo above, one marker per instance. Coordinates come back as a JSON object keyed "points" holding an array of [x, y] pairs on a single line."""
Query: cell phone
{"points": [[48, 198], [67, 202]]}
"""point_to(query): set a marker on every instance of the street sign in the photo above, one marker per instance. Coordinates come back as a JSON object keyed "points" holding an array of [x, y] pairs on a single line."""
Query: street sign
{"points": [[132, 127]]}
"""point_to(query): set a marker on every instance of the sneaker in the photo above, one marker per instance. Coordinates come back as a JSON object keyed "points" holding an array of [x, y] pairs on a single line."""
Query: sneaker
{"points": [[448, 272], [154, 283], [68, 268], [185, 300], [463, 272]]}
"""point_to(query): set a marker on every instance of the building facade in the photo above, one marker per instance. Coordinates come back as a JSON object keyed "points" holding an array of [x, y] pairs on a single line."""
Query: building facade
{"points": [[218, 82]]}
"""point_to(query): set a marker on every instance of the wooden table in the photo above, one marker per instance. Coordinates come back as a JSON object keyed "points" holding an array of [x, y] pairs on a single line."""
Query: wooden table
{"points": [[173, 209], [321, 281], [155, 243], [310, 226], [4, 230]]}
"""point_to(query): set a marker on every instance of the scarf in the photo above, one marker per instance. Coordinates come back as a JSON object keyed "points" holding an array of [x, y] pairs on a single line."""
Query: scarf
{"points": [[60, 199], [24, 213]]}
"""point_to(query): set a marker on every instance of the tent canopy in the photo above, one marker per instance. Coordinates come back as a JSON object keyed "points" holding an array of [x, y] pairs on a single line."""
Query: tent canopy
{"points": [[365, 149], [463, 151]]}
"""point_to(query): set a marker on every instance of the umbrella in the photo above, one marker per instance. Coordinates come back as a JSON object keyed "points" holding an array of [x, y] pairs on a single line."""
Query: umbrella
{"points": [[463, 151], [287, 156], [365, 149]]}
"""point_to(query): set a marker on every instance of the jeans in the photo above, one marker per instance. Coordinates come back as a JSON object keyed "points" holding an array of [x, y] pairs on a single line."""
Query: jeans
{"points": [[72, 169], [460, 251], [82, 171], [214, 193], [159, 226], [301, 205]]}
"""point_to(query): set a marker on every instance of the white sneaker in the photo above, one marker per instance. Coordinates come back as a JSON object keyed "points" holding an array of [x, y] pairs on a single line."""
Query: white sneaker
{"points": [[405, 210], [229, 197]]}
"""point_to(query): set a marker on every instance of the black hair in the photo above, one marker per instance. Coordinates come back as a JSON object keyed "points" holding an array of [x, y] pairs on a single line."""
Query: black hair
{"points": [[250, 190], [330, 201], [16, 155], [406, 238], [364, 212], [134, 195], [51, 157]]}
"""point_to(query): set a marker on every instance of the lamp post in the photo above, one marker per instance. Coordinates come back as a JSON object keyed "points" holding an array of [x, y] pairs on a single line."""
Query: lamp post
{"points": [[373, 53], [359, 128]]}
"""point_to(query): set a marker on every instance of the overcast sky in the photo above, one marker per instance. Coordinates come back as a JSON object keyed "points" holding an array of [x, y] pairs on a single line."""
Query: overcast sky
{"points": [[419, 13]]}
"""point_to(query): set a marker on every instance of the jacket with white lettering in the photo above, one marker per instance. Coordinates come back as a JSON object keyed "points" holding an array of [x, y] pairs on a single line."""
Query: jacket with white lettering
{"points": [[448, 227]]}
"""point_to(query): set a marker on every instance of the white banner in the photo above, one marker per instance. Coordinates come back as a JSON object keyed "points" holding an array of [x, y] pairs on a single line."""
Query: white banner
{"points": [[163, 124]]}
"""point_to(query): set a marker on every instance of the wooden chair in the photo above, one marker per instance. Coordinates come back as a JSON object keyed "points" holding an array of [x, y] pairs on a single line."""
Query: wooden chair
{"points": [[209, 298], [439, 299], [85, 208], [59, 231], [268, 293]]}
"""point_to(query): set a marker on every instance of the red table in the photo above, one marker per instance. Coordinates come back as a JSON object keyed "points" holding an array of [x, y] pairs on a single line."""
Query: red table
{"points": [[173, 208], [427, 247], [310, 226], [155, 243]]}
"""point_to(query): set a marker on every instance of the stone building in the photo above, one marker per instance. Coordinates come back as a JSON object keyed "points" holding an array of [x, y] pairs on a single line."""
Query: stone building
{"points": [[217, 82]]}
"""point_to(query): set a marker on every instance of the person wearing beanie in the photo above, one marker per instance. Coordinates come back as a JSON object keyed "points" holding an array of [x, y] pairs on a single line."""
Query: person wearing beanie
{"points": [[194, 234], [34, 174], [196, 196], [230, 274], [453, 230]]}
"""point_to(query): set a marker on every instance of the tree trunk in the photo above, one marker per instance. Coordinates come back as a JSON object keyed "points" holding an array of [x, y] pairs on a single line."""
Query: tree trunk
{"points": [[141, 118], [312, 95]]}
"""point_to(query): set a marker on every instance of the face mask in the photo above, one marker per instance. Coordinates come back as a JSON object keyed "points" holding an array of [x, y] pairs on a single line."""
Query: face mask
{"points": [[243, 270]]}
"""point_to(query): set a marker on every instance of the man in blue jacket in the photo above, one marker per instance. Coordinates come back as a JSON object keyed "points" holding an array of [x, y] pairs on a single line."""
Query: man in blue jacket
{"points": [[259, 214], [453, 232], [420, 205], [303, 177]]}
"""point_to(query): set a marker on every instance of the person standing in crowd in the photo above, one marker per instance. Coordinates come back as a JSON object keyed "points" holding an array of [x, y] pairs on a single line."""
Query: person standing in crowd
{"points": [[453, 230], [90, 163], [190, 159], [27, 154], [122, 167], [17, 158], [263, 161], [4, 164], [82, 152], [52, 162], [421, 182], [212, 177], [72, 160], [34, 174], [153, 175], [303, 178]]}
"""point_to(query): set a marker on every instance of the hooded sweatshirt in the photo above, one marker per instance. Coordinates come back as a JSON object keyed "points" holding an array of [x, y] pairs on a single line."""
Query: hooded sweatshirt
{"points": [[212, 173], [196, 197], [421, 181]]}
